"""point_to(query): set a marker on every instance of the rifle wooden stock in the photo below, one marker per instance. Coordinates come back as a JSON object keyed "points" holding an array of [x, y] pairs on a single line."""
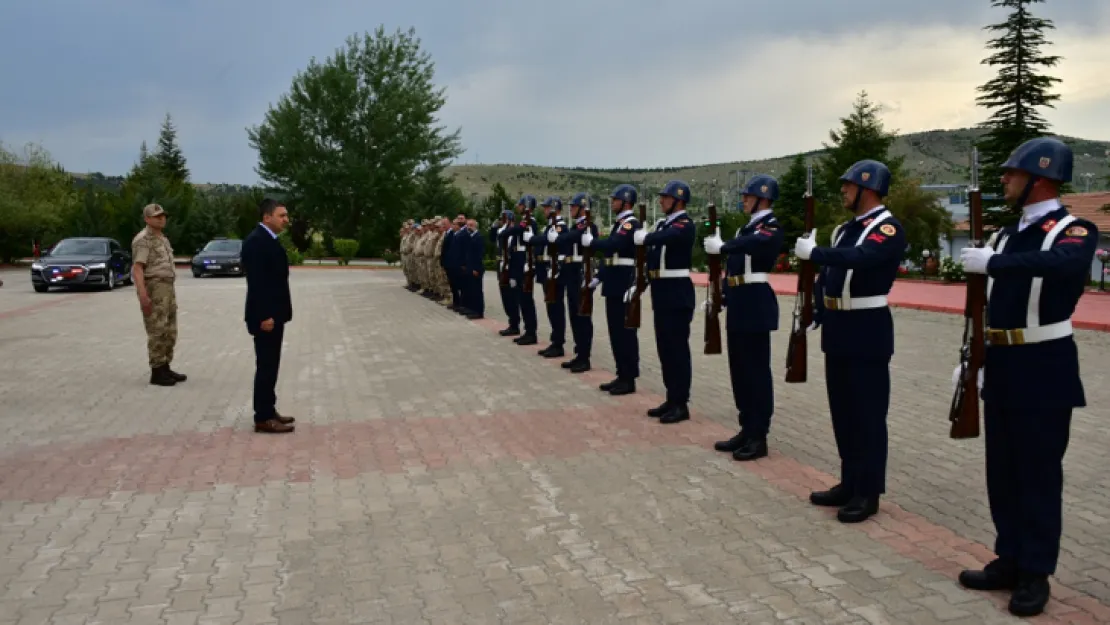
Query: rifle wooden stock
{"points": [[713, 312], [632, 308], [530, 256], [503, 275], [550, 290], [964, 413], [798, 347], [585, 294]]}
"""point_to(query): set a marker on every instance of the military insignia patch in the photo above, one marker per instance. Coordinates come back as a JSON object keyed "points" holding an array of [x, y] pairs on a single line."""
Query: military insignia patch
{"points": [[678, 193], [878, 238], [1045, 162], [627, 226], [867, 222], [1076, 231], [1048, 225], [581, 226], [888, 230], [865, 176], [763, 188]]}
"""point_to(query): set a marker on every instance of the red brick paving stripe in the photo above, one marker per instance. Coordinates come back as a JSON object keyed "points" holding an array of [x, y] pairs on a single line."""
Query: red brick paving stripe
{"points": [[935, 546], [34, 308]]}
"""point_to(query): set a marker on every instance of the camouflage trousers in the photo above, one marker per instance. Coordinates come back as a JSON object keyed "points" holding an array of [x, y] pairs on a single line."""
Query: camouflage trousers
{"points": [[161, 323]]}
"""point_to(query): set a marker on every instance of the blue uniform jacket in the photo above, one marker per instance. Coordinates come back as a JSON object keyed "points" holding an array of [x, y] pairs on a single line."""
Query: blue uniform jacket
{"points": [[1031, 286], [570, 246], [539, 245], [475, 253], [616, 279], [872, 265], [518, 250], [752, 307], [671, 248]]}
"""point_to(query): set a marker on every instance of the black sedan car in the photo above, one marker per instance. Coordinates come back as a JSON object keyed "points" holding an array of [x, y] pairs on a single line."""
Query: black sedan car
{"points": [[82, 261], [219, 257]]}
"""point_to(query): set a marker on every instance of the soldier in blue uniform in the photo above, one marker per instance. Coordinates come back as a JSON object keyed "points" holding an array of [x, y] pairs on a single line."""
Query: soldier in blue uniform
{"points": [[850, 298], [508, 294], [518, 236], [618, 275], [474, 270], [552, 267], [753, 313], [1037, 269], [670, 253], [570, 280]]}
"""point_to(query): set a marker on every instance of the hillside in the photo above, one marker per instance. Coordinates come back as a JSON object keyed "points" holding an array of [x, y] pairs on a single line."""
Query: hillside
{"points": [[937, 157]]}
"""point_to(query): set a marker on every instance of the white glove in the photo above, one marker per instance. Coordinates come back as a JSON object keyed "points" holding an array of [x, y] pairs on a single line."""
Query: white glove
{"points": [[629, 294], [812, 327], [956, 377], [587, 239], [803, 247], [639, 236], [552, 235], [713, 244], [975, 259], [527, 236], [512, 283], [594, 283], [707, 306]]}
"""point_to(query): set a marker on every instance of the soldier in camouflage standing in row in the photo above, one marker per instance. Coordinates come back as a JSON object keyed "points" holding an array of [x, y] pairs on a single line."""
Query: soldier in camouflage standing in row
{"points": [[443, 285], [408, 255], [153, 273]]}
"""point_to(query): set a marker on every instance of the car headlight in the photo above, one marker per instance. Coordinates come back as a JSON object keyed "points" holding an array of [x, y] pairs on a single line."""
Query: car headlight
{"points": [[36, 266], [97, 266]]}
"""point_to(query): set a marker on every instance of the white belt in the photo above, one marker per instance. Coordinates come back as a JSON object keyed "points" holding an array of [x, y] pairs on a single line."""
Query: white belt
{"points": [[669, 273], [1025, 336], [521, 248], [855, 303], [620, 262], [544, 258], [748, 278], [571, 259]]}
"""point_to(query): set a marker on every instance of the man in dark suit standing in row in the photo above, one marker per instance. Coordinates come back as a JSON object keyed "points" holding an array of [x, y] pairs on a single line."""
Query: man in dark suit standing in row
{"points": [[269, 307]]}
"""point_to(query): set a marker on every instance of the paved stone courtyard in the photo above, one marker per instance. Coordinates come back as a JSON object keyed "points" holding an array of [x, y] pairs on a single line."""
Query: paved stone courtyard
{"points": [[441, 474]]}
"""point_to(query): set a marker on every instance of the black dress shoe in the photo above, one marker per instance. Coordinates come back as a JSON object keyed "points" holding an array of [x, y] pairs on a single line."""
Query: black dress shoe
{"points": [[581, 366], [858, 509], [999, 574], [510, 331], [836, 496], [606, 386], [569, 363], [623, 387], [752, 449], [731, 444], [527, 339], [676, 414], [659, 410], [554, 352], [475, 315], [1030, 596]]}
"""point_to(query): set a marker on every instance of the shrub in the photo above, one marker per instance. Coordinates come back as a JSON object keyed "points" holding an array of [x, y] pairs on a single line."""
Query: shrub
{"points": [[317, 250], [295, 257], [951, 270], [346, 249], [390, 257]]}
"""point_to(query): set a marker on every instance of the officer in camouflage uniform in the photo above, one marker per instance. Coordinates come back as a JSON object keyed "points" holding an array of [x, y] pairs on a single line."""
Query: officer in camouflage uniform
{"points": [[443, 285], [405, 250], [153, 272]]}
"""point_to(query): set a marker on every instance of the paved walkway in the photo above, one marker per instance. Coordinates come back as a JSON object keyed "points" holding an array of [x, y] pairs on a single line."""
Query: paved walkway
{"points": [[1092, 313], [441, 474]]}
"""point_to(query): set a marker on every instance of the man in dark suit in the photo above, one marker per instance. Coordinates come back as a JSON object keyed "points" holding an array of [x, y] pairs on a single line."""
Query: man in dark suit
{"points": [[269, 308]]}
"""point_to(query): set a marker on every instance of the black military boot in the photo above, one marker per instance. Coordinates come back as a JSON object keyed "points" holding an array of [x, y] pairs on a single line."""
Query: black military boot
{"points": [[659, 410], [177, 377], [555, 351], [160, 376], [731, 444], [527, 339], [677, 414], [608, 386], [581, 366], [858, 509], [751, 449], [510, 331], [836, 496], [997, 575], [1030, 596], [623, 387], [567, 364]]}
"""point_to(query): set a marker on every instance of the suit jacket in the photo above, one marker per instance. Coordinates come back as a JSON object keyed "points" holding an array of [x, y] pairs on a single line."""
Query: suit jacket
{"points": [[267, 269]]}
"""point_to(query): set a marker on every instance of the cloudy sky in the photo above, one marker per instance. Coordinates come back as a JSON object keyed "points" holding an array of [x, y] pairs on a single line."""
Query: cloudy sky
{"points": [[571, 82]]}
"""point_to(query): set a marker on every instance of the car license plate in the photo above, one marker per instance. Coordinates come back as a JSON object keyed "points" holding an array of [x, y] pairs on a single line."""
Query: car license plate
{"points": [[215, 267]]}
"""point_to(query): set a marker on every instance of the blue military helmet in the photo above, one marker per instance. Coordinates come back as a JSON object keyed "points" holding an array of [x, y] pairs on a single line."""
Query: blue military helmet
{"points": [[763, 186], [869, 174], [553, 202], [677, 189], [625, 192], [1044, 157], [527, 201], [580, 200], [507, 213]]}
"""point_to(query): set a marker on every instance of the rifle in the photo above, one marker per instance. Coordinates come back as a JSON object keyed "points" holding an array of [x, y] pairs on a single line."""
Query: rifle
{"points": [[713, 289], [632, 308], [585, 295], [550, 292], [964, 413], [797, 348], [503, 275], [530, 267]]}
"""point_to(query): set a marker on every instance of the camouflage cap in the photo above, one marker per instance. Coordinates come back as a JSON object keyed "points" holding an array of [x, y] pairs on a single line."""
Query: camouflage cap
{"points": [[153, 210]]}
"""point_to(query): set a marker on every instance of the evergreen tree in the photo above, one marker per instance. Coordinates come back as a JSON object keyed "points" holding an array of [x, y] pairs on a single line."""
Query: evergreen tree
{"points": [[169, 157], [1013, 95], [861, 136]]}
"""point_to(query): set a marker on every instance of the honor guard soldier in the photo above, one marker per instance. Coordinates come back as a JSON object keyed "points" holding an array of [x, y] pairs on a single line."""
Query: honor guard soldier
{"points": [[519, 236], [858, 335], [508, 295], [1037, 269], [670, 253], [552, 269], [617, 275], [570, 281], [753, 313]]}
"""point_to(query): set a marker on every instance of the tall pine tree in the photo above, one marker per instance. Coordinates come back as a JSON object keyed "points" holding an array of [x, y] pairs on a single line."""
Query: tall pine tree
{"points": [[1013, 95], [170, 159], [861, 136]]}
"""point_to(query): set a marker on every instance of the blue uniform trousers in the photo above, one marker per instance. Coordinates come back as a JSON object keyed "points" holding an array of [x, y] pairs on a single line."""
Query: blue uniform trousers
{"points": [[527, 307], [557, 314], [859, 396], [1025, 480], [749, 365], [581, 327], [473, 298], [509, 297], [672, 340], [624, 341]]}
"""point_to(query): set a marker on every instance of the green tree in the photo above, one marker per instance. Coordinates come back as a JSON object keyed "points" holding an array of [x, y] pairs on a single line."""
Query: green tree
{"points": [[35, 198], [1013, 95], [922, 216], [353, 134], [861, 136], [170, 160], [790, 207]]}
